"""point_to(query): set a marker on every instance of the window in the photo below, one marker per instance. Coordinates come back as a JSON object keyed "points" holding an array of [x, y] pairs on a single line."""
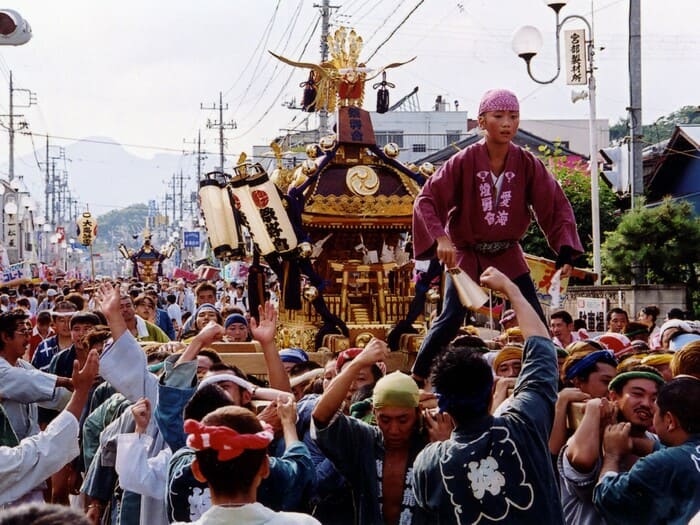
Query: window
{"points": [[419, 148], [384, 137]]}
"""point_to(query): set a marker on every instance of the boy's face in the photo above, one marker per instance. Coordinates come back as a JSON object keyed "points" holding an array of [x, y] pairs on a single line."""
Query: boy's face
{"points": [[500, 126], [78, 333], [237, 332], [61, 325]]}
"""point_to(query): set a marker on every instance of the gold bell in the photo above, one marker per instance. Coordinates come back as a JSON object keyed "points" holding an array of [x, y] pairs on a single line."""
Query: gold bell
{"points": [[427, 169], [312, 151], [327, 143], [392, 150], [310, 293]]}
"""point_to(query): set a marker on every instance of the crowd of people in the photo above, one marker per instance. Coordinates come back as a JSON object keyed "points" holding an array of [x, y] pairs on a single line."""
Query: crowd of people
{"points": [[117, 409], [107, 418]]}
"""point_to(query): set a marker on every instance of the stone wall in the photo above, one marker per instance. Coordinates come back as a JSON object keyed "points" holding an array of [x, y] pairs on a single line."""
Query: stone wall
{"points": [[630, 298]]}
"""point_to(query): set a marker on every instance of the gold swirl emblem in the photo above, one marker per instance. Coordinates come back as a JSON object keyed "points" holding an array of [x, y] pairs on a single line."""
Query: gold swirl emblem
{"points": [[362, 180]]}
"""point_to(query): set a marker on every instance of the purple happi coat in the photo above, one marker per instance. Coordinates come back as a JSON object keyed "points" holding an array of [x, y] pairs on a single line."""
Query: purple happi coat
{"points": [[460, 200]]}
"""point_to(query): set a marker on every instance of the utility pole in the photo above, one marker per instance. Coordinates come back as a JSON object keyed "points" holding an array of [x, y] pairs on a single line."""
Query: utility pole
{"points": [[52, 186], [172, 197], [174, 201], [200, 157], [325, 30], [64, 197], [46, 182], [11, 127], [165, 207], [635, 109], [221, 125], [53, 191], [181, 196], [11, 174]]}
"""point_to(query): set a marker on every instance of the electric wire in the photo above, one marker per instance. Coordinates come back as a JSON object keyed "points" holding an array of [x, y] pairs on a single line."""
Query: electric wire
{"points": [[260, 50], [420, 2], [257, 47], [284, 86], [270, 80]]}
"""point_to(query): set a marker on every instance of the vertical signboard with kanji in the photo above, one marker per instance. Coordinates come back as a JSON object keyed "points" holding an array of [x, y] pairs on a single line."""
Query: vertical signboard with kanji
{"points": [[576, 59], [592, 311]]}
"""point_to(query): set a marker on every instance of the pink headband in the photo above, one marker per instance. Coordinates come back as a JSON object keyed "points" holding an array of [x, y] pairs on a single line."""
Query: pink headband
{"points": [[498, 100], [226, 441]]}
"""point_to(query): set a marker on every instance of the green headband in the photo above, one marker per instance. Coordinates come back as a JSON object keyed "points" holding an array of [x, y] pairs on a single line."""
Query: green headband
{"points": [[396, 390], [635, 374]]}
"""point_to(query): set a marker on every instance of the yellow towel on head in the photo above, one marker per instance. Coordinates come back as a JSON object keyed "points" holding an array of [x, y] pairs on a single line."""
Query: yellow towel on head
{"points": [[396, 390], [657, 359]]}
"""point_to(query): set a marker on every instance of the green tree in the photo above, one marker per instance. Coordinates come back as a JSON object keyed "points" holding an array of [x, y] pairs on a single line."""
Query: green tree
{"points": [[658, 245], [661, 129], [119, 226], [576, 183]]}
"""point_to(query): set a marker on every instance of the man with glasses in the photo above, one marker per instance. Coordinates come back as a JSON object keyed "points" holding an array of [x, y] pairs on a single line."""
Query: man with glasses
{"points": [[22, 386]]}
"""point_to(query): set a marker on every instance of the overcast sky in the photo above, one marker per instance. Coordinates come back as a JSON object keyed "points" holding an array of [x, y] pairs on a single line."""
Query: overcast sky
{"points": [[138, 71]]}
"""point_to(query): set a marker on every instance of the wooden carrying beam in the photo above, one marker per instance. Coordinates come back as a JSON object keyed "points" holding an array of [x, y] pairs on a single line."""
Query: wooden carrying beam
{"points": [[254, 363]]}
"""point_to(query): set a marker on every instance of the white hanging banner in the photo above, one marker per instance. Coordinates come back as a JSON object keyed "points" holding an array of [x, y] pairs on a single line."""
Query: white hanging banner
{"points": [[576, 58]]}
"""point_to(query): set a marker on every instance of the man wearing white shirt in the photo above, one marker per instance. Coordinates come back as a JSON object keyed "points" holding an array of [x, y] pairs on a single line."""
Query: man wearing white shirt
{"points": [[561, 325], [21, 385], [239, 299], [140, 328], [24, 467], [174, 310]]}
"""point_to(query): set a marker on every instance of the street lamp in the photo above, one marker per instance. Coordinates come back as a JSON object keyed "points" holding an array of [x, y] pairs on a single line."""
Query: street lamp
{"points": [[40, 222], [527, 42], [10, 210]]}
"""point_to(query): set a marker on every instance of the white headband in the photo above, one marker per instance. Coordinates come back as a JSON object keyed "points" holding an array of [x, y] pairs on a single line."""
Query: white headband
{"points": [[220, 378], [306, 376], [63, 314]]}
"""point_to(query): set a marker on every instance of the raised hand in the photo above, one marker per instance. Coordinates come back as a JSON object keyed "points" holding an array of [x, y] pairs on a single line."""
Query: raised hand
{"points": [[84, 378], [109, 298], [375, 351], [263, 331], [141, 410], [496, 280], [210, 333]]}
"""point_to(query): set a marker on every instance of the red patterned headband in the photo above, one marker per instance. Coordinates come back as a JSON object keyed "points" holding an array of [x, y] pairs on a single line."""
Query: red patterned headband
{"points": [[226, 441], [351, 353]]}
